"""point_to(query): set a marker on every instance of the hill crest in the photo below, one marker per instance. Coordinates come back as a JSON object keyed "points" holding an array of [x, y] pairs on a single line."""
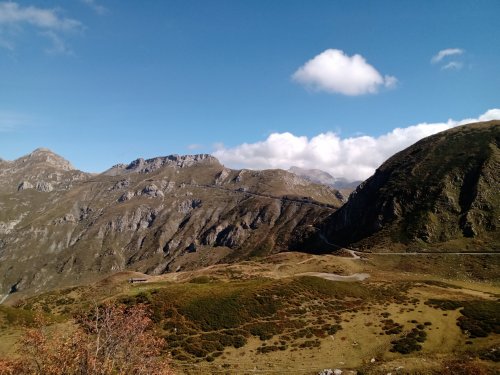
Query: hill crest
{"points": [[443, 189]]}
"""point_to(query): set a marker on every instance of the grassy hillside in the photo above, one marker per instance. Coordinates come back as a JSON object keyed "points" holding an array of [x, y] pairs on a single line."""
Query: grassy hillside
{"points": [[272, 315], [442, 193]]}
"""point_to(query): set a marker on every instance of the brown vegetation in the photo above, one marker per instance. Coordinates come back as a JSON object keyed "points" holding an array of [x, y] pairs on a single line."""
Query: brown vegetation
{"points": [[110, 340], [463, 367]]}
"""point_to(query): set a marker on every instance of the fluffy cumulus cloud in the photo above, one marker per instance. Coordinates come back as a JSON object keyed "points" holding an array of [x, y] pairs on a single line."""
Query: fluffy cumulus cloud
{"points": [[335, 72], [47, 22], [354, 158]]}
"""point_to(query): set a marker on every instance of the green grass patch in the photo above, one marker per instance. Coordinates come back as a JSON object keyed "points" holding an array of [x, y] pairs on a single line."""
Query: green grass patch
{"points": [[479, 318], [410, 342], [206, 315], [12, 317], [201, 280]]}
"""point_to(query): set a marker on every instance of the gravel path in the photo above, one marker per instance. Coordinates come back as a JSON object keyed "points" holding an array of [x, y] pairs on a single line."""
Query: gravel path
{"points": [[335, 277]]}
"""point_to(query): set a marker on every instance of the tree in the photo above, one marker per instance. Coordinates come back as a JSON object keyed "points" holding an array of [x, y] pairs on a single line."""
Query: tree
{"points": [[112, 339]]}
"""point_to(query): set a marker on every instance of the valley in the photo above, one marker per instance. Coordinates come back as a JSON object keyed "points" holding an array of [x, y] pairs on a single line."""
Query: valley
{"points": [[282, 313], [244, 272]]}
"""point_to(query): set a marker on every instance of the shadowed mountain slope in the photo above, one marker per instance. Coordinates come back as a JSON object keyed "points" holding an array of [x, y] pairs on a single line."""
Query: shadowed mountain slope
{"points": [[441, 193]]}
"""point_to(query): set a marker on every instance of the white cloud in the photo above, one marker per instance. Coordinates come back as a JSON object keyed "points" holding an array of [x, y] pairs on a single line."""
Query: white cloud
{"points": [[335, 72], [58, 44], [99, 9], [491, 114], [390, 81], [48, 22], [354, 158], [446, 52], [453, 65], [11, 13]]}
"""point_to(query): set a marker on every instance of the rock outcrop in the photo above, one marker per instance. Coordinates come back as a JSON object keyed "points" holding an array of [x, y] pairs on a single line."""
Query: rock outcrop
{"points": [[25, 185], [150, 165], [43, 186]]}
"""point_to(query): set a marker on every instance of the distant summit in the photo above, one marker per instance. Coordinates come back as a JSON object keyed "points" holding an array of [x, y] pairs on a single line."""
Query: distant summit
{"points": [[319, 176], [315, 175], [45, 156], [41, 170]]}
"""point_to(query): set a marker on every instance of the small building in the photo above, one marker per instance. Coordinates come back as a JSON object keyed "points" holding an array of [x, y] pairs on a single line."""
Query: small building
{"points": [[135, 280]]}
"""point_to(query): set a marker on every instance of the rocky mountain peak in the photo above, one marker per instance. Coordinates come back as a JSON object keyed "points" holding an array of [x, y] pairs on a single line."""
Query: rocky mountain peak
{"points": [[45, 156], [42, 170], [149, 165], [41, 150]]}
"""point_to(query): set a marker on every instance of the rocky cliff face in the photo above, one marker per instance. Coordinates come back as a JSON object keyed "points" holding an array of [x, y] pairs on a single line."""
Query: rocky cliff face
{"points": [[60, 226], [150, 165], [442, 192]]}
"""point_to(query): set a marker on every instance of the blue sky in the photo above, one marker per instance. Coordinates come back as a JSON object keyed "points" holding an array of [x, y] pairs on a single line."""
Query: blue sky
{"points": [[106, 81]]}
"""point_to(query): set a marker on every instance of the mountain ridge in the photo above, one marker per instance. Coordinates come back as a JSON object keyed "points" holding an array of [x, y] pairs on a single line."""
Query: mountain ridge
{"points": [[443, 189], [156, 215]]}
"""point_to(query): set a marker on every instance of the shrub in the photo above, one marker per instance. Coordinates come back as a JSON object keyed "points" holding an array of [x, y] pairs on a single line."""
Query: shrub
{"points": [[405, 345], [112, 339], [200, 280], [333, 329], [444, 304], [491, 354], [239, 341], [264, 330], [410, 342], [462, 367], [225, 311], [479, 318], [267, 349]]}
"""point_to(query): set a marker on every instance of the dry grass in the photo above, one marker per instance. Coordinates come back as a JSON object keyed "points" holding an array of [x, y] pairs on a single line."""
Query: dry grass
{"points": [[259, 314]]}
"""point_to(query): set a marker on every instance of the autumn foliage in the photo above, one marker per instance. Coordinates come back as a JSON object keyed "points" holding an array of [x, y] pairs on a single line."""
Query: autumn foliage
{"points": [[109, 340]]}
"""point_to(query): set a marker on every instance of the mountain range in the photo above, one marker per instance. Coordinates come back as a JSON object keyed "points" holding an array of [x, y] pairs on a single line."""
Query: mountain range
{"points": [[159, 215], [60, 226]]}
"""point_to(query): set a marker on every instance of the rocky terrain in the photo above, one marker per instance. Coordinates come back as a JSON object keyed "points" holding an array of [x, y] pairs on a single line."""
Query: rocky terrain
{"points": [[61, 226], [442, 193]]}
